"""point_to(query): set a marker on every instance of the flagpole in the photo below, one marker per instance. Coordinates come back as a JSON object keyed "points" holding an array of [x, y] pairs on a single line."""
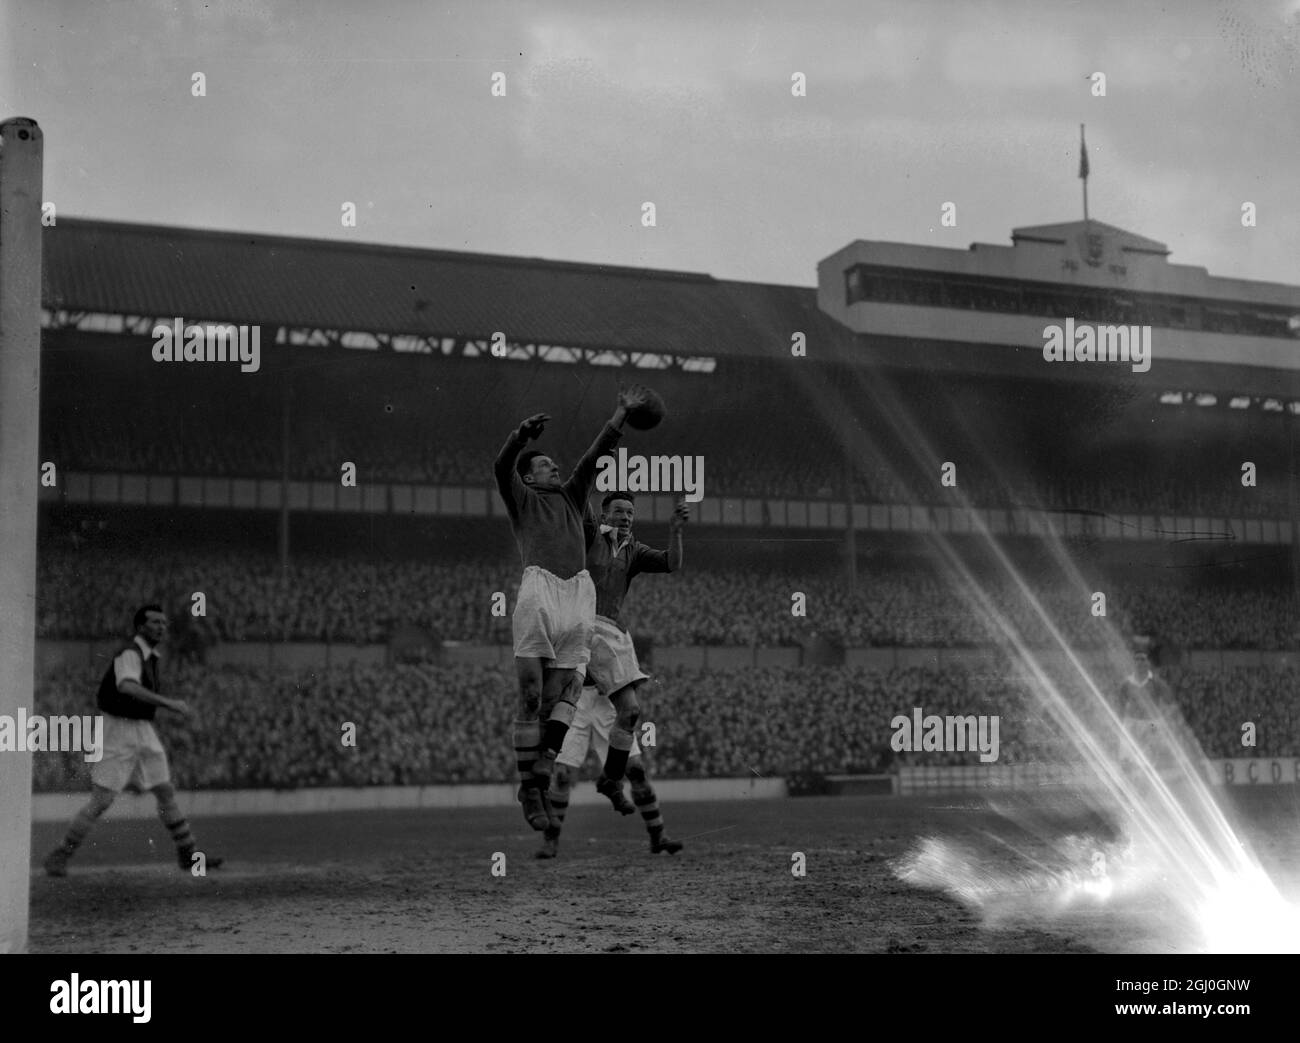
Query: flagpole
{"points": [[1083, 173]]}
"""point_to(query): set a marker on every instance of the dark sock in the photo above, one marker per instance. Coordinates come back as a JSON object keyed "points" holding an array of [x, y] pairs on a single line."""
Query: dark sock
{"points": [[616, 764], [553, 736]]}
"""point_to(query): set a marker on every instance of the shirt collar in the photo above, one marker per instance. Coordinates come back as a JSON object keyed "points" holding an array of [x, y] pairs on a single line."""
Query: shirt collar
{"points": [[608, 530], [146, 648]]}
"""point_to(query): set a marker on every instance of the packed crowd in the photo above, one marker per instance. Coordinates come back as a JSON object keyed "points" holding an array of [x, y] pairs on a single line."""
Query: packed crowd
{"points": [[428, 724], [87, 594], [249, 598]]}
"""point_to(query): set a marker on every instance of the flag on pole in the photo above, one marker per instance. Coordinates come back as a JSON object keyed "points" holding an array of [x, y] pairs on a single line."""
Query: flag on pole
{"points": [[1083, 155]]}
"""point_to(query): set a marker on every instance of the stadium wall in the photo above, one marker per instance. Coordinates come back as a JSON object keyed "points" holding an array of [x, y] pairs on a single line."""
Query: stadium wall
{"points": [[53, 654], [1238, 771], [910, 781], [60, 807]]}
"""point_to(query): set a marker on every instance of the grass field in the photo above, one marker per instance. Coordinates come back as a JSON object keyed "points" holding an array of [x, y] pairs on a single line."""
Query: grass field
{"points": [[421, 881]]}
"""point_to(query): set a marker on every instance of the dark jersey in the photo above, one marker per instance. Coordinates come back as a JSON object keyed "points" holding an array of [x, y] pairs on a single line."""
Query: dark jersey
{"points": [[120, 704], [550, 525], [612, 566]]}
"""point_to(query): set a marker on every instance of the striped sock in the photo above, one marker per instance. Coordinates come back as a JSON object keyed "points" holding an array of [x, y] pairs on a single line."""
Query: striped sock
{"points": [[643, 796], [559, 804], [81, 825], [177, 826], [527, 734]]}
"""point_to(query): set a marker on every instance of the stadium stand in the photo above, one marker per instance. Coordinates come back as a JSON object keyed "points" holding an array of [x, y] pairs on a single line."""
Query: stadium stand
{"points": [[400, 383], [426, 724], [86, 595]]}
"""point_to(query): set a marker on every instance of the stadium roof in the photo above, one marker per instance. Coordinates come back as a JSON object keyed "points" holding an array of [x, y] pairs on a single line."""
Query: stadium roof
{"points": [[199, 275]]}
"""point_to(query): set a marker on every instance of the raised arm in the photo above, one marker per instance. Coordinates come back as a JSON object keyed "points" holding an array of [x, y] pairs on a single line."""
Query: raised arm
{"points": [[509, 484], [584, 475], [670, 560], [676, 524]]}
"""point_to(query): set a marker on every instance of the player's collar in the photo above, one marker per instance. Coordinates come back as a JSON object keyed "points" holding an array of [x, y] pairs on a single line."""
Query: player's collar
{"points": [[1133, 678], [146, 648], [609, 531]]}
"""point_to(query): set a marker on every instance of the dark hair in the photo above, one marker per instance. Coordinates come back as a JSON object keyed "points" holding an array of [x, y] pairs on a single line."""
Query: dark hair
{"points": [[609, 497], [524, 465], [142, 614]]}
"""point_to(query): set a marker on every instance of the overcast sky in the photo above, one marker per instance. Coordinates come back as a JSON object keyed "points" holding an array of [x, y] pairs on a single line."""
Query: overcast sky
{"points": [[611, 104]]}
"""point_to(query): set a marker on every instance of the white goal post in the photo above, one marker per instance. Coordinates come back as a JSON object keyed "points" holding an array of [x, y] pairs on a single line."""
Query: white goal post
{"points": [[21, 157]]}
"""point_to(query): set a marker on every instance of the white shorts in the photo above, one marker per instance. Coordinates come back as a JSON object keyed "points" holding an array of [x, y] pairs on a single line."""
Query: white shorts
{"points": [[613, 658], [554, 618], [592, 723], [133, 756]]}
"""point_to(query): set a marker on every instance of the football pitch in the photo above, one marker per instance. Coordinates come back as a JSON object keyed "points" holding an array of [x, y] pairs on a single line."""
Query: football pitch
{"points": [[423, 881]]}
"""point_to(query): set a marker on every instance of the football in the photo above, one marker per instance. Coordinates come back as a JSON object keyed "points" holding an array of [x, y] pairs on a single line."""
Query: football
{"points": [[644, 417]]}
